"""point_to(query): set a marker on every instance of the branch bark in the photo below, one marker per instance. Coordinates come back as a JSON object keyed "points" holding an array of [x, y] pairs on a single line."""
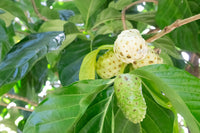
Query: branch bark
{"points": [[173, 26], [123, 17], [37, 12], [20, 98], [193, 67], [16, 107]]}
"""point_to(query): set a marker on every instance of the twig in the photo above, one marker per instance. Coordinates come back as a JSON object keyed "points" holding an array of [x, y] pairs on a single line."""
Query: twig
{"points": [[16, 107], [123, 17], [20, 98], [37, 12], [173, 26], [193, 67]]}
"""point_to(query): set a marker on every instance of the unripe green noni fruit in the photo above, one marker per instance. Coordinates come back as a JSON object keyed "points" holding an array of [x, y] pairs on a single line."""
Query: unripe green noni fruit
{"points": [[108, 65], [151, 58], [130, 46], [128, 90]]}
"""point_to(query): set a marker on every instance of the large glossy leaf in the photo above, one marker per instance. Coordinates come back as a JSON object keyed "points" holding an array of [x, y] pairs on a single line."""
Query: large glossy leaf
{"points": [[99, 116], [11, 7], [73, 55], [181, 88], [61, 110], [157, 119], [89, 8], [25, 54], [185, 37]]}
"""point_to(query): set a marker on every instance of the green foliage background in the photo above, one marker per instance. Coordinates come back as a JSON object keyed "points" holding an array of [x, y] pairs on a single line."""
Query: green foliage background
{"points": [[34, 51]]}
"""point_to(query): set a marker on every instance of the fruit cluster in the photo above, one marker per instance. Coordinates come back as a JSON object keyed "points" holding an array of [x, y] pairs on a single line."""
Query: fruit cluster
{"points": [[129, 47]]}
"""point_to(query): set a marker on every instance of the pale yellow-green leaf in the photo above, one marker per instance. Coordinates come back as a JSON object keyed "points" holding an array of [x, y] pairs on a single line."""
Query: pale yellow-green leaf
{"points": [[87, 70], [52, 25]]}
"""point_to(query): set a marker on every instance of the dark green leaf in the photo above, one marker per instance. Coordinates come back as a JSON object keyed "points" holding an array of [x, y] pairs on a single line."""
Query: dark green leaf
{"points": [[181, 88], [61, 110], [123, 125], [98, 117], [70, 28], [157, 119], [185, 37], [25, 54], [73, 55]]}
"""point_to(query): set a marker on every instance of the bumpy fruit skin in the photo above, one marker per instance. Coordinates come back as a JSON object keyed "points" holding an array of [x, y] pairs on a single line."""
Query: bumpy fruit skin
{"points": [[130, 46], [151, 58], [130, 100], [108, 65]]}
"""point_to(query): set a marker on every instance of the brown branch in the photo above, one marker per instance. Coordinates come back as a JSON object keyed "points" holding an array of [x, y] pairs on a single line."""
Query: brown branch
{"points": [[37, 12], [16, 107], [173, 26], [20, 98], [193, 67], [123, 17]]}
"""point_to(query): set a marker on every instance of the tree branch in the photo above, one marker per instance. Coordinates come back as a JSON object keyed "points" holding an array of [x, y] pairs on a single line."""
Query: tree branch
{"points": [[173, 26], [37, 12], [193, 68], [20, 98], [16, 107], [123, 17]]}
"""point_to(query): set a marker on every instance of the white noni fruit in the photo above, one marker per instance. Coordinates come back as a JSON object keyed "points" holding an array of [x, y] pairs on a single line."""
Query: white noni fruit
{"points": [[130, 46], [128, 90], [151, 58], [108, 65]]}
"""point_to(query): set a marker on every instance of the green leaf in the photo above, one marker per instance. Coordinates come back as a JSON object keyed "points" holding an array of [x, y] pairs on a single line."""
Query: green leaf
{"points": [[71, 33], [180, 87], [185, 37], [98, 116], [63, 108], [49, 13], [123, 125], [87, 70], [70, 61], [107, 15], [11, 7], [70, 28], [52, 25], [167, 46], [89, 8], [113, 27], [72, 57], [120, 4], [146, 17], [25, 54], [7, 17], [110, 14]]}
